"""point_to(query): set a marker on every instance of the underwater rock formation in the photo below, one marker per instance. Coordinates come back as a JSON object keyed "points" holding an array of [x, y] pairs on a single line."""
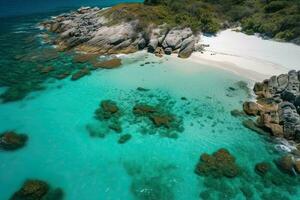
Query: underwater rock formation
{"points": [[262, 168], [157, 116], [108, 64], [108, 109], [11, 141], [37, 190], [109, 112], [287, 163], [219, 164], [81, 73], [124, 138]]}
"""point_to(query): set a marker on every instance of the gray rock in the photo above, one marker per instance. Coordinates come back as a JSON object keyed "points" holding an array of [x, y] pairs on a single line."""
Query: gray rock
{"points": [[187, 47], [152, 45], [168, 51], [175, 37], [283, 81], [142, 43]]}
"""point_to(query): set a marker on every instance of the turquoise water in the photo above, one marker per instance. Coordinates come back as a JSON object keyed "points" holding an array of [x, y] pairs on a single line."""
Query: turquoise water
{"points": [[61, 151]]}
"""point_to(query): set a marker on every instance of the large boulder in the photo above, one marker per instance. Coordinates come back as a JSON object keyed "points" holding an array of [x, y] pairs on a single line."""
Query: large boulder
{"points": [[187, 47], [251, 108], [175, 37], [153, 43], [168, 51]]}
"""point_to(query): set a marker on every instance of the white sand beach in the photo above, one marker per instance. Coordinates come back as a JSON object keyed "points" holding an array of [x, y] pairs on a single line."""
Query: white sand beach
{"points": [[250, 56]]}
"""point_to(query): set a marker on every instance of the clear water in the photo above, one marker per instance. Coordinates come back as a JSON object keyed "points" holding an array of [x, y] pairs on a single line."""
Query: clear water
{"points": [[61, 151]]}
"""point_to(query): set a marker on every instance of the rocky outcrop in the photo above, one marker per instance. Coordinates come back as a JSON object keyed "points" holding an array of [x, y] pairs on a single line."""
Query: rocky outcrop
{"points": [[277, 108], [91, 30], [277, 105]]}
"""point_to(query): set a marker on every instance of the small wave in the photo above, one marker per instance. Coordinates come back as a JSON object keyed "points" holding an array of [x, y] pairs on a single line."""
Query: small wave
{"points": [[17, 32], [283, 148]]}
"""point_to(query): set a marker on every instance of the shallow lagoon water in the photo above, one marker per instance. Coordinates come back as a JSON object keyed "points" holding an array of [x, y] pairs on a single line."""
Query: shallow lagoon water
{"points": [[61, 151]]}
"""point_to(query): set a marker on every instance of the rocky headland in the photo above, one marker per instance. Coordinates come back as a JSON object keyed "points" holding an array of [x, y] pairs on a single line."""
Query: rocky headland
{"points": [[106, 32], [277, 108]]}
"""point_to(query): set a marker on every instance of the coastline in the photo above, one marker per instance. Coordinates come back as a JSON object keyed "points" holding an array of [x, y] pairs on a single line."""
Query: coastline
{"points": [[248, 56]]}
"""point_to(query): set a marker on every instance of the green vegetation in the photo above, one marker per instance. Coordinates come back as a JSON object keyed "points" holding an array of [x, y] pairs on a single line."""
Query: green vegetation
{"points": [[278, 19]]}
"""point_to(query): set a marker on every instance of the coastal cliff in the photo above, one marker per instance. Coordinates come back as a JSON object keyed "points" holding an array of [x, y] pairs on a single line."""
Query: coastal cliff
{"points": [[95, 30]]}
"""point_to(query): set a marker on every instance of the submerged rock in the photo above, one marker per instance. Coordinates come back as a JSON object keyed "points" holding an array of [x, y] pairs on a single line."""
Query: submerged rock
{"points": [[157, 116], [143, 109], [107, 110], [262, 168], [124, 138], [250, 124], [12, 141], [63, 75], [31, 190], [237, 113], [81, 73], [46, 70], [219, 164], [37, 190], [19, 91], [84, 58], [286, 164], [109, 64], [116, 126], [162, 120], [141, 89]]}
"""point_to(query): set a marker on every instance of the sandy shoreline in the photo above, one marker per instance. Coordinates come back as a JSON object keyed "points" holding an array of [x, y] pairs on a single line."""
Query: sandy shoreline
{"points": [[248, 56]]}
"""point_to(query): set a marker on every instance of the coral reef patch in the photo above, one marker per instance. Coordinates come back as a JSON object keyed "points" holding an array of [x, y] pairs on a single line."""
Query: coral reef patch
{"points": [[219, 164], [10, 141], [37, 190]]}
